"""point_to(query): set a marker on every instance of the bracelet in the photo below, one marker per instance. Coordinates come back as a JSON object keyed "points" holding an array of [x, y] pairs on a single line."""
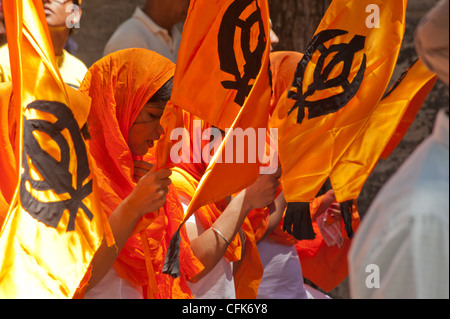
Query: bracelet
{"points": [[220, 234], [244, 240]]}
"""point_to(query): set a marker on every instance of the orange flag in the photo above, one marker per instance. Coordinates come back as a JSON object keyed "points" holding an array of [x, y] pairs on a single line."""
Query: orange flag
{"points": [[409, 92], [55, 223], [383, 131], [338, 83], [220, 57], [222, 76], [7, 157]]}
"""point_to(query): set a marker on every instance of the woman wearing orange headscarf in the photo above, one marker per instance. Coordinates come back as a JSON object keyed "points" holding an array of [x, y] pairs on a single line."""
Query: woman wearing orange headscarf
{"points": [[129, 90], [326, 266]]}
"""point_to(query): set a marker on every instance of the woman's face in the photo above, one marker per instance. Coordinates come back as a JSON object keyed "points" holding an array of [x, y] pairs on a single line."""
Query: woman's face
{"points": [[146, 129]]}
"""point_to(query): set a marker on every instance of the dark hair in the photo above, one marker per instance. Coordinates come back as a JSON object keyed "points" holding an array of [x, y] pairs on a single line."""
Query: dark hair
{"points": [[164, 93]]}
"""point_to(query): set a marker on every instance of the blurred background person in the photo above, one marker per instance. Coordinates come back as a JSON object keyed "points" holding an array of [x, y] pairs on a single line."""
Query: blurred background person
{"points": [[2, 26], [156, 27], [61, 16], [402, 247]]}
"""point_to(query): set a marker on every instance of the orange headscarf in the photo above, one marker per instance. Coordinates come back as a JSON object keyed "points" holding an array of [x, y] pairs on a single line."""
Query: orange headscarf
{"points": [[120, 85], [325, 266], [186, 177]]}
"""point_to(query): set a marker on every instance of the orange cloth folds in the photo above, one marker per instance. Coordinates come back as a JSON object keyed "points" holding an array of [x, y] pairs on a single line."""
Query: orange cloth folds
{"points": [[409, 93], [55, 223], [218, 37], [186, 185], [336, 88], [186, 177], [383, 131], [7, 157], [325, 266]]}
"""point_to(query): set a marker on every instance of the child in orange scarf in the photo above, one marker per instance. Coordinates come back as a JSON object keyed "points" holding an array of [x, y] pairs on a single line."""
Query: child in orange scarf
{"points": [[123, 124]]}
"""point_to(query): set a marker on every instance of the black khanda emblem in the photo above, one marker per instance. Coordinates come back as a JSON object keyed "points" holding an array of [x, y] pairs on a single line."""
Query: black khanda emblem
{"points": [[56, 175], [343, 52], [231, 22]]}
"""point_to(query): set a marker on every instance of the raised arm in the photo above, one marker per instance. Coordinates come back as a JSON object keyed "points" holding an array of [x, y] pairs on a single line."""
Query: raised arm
{"points": [[210, 246], [148, 196]]}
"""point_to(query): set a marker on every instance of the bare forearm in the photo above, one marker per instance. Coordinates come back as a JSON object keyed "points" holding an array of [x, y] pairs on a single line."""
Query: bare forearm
{"points": [[148, 196], [209, 247]]}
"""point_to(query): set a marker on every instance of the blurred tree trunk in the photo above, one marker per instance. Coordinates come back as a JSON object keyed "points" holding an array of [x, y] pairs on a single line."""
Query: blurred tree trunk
{"points": [[295, 21]]}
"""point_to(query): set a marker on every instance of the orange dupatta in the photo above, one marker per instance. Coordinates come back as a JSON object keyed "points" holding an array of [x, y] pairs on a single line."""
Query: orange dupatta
{"points": [[186, 177], [120, 85]]}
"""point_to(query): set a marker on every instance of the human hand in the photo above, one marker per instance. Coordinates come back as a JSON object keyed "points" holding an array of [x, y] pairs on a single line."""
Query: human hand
{"points": [[262, 192], [330, 225], [141, 168], [333, 213], [150, 192], [326, 201]]}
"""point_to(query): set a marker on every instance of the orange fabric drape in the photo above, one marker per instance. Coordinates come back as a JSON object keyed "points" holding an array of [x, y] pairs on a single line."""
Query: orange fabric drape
{"points": [[186, 177], [120, 85], [222, 76], [48, 238], [185, 185], [343, 76], [385, 128], [409, 93], [283, 65], [323, 265], [211, 48], [7, 158]]}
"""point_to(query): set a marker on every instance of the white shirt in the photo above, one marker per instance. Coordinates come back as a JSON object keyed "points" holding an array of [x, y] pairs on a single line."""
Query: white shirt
{"points": [[114, 287], [282, 277], [141, 32], [401, 249], [72, 69], [219, 282]]}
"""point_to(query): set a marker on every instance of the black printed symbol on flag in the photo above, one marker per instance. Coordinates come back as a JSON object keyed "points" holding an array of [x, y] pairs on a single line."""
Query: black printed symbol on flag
{"points": [[236, 21], [343, 52], [56, 177]]}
